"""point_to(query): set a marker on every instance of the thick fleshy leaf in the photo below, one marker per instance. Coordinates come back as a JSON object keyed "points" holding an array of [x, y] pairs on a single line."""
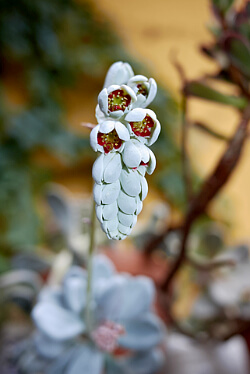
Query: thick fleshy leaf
{"points": [[97, 192], [144, 188], [137, 288], [86, 360], [149, 362], [58, 366], [119, 73], [49, 348], [56, 322], [110, 225], [126, 219], [124, 229], [113, 169], [109, 299], [110, 211], [126, 203], [51, 295], [139, 206], [103, 268], [98, 211], [131, 155], [97, 170], [74, 288], [110, 192], [142, 334], [130, 182]]}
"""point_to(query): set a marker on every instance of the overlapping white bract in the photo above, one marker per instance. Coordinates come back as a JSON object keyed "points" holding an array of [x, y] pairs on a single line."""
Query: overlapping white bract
{"points": [[125, 130]]}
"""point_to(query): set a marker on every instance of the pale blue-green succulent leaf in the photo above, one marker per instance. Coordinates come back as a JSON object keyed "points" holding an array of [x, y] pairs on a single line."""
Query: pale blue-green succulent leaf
{"points": [[102, 268], [144, 188], [74, 289], [122, 131], [86, 360], [126, 203], [97, 192], [110, 211], [98, 211], [110, 192], [110, 225], [97, 170], [152, 163], [149, 362], [130, 182], [124, 229], [49, 348], [143, 333], [113, 169], [56, 322], [138, 295], [131, 155], [126, 219]]}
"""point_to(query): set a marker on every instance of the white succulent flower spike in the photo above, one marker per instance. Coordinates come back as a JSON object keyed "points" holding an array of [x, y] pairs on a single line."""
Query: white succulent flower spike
{"points": [[144, 88], [122, 137], [143, 125], [109, 136], [118, 73], [115, 101]]}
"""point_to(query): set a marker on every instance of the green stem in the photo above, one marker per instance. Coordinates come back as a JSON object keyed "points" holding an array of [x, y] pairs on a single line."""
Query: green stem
{"points": [[89, 269]]}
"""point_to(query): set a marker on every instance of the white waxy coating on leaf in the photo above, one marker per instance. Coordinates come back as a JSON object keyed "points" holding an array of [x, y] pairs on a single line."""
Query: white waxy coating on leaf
{"points": [[98, 211], [113, 169], [126, 203], [124, 229], [130, 182], [110, 211], [144, 188], [131, 155], [110, 192], [139, 206], [110, 225], [97, 192], [126, 219], [155, 133], [97, 170]]}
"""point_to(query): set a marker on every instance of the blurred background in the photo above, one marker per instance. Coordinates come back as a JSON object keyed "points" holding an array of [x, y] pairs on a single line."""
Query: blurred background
{"points": [[54, 58]]}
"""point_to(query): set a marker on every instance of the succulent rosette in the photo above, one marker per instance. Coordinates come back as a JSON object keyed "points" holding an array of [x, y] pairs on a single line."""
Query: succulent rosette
{"points": [[144, 88], [122, 136], [117, 321]]}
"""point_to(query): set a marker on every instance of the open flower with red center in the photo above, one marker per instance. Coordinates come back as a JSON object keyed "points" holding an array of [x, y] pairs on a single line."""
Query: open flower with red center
{"points": [[143, 125], [115, 101], [109, 136], [144, 88]]}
